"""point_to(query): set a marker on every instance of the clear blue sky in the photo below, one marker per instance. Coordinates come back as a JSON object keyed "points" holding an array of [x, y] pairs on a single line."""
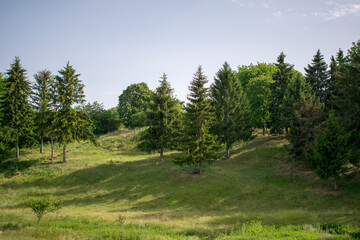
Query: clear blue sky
{"points": [[115, 43]]}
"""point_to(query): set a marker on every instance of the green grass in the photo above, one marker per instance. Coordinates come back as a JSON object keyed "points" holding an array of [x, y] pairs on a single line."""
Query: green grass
{"points": [[256, 194]]}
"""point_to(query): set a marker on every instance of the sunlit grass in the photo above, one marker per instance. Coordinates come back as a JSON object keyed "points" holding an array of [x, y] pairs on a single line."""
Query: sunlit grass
{"points": [[165, 201]]}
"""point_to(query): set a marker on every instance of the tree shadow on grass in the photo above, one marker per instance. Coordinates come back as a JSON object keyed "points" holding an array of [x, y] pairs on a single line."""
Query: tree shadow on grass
{"points": [[12, 166], [145, 185]]}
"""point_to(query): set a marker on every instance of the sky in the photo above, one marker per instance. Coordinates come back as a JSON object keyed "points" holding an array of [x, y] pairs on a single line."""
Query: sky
{"points": [[113, 44]]}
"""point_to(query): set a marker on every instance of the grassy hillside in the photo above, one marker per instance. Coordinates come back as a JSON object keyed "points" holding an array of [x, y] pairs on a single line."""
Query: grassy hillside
{"points": [[256, 194]]}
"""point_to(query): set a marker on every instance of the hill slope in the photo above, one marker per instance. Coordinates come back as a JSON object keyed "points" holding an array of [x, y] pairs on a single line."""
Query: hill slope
{"points": [[160, 200]]}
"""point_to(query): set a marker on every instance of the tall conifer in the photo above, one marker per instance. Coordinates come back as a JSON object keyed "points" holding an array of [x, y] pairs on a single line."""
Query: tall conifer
{"points": [[69, 124], [199, 143], [317, 75], [348, 101], [233, 121], [278, 87], [16, 110], [42, 101], [163, 119]]}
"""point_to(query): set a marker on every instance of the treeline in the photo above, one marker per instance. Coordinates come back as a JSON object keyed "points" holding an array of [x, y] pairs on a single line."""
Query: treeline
{"points": [[43, 110], [319, 112]]}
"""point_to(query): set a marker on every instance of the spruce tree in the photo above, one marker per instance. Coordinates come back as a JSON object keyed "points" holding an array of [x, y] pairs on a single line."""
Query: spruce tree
{"points": [[317, 75], [163, 119], [337, 69], [69, 124], [2, 91], [348, 100], [199, 143], [331, 151], [42, 101], [306, 120], [231, 109], [278, 87], [295, 91], [15, 108]]}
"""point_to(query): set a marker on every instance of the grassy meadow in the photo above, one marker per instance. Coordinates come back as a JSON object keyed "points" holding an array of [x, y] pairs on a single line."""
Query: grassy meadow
{"points": [[111, 190]]}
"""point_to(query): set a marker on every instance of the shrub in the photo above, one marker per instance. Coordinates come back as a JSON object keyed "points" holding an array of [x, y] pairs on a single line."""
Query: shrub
{"points": [[41, 206]]}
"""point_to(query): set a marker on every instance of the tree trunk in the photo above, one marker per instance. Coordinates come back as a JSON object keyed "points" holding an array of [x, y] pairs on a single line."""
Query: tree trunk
{"points": [[64, 153], [41, 144], [264, 130], [286, 130], [335, 183], [200, 167], [39, 218], [227, 154], [162, 154], [17, 151], [52, 150]]}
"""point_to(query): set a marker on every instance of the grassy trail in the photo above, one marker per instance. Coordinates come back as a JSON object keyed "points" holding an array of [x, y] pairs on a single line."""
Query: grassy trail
{"points": [[160, 200]]}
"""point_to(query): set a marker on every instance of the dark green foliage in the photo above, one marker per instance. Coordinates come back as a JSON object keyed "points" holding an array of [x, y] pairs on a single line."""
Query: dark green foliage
{"points": [[347, 101], [305, 122], [337, 69], [295, 92], [163, 120], [7, 138], [134, 100], [104, 120], [16, 112], [331, 151], [2, 89], [199, 144], [43, 101], [317, 75], [281, 80], [70, 125], [231, 108]]}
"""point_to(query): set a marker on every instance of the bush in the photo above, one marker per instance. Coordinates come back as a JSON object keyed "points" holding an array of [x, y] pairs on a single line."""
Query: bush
{"points": [[41, 206]]}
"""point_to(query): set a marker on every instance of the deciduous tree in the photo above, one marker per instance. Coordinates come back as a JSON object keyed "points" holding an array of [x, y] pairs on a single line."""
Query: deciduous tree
{"points": [[133, 103], [258, 92]]}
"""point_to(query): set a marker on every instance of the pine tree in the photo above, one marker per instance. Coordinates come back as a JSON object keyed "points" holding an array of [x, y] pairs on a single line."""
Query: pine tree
{"points": [[305, 121], [317, 75], [337, 69], [331, 152], [348, 99], [199, 143], [42, 101], [2, 91], [163, 119], [231, 108], [16, 111], [294, 93], [281, 80], [70, 125]]}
